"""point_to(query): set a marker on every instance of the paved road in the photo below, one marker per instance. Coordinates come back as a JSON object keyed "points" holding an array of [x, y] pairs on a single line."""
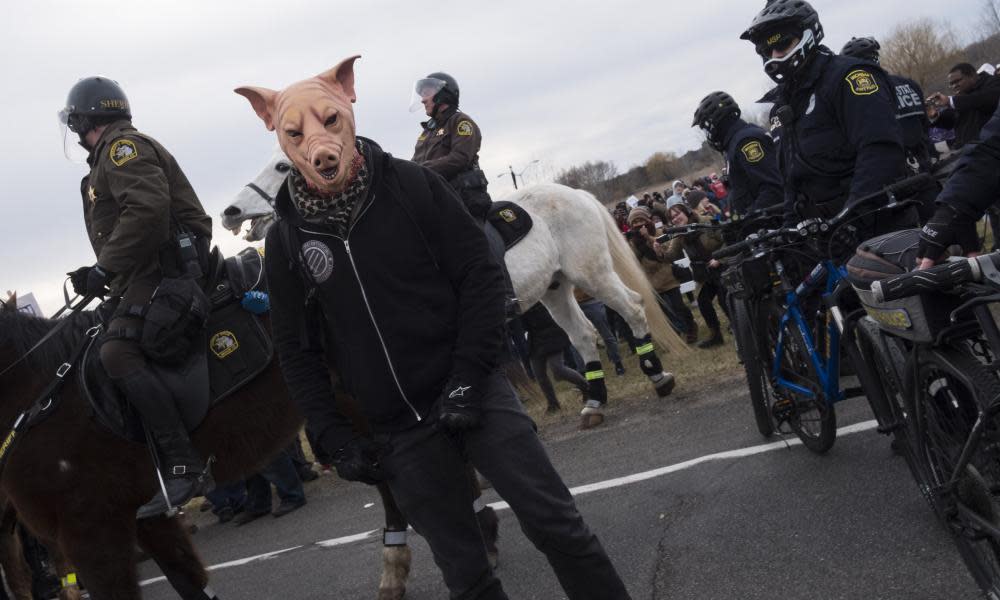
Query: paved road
{"points": [[777, 523]]}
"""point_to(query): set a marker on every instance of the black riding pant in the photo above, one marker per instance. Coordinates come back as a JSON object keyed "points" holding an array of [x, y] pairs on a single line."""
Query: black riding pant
{"points": [[121, 355], [428, 477]]}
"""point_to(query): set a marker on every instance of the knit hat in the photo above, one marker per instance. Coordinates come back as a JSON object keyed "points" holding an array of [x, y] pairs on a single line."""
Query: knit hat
{"points": [[693, 198], [639, 212]]}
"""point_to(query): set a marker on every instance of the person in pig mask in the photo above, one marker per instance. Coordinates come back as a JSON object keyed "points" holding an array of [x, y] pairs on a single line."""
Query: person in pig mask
{"points": [[377, 268]]}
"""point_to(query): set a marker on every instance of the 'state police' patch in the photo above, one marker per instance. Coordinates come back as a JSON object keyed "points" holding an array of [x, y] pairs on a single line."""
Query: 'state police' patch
{"points": [[465, 128], [862, 82], [753, 151], [123, 151]]}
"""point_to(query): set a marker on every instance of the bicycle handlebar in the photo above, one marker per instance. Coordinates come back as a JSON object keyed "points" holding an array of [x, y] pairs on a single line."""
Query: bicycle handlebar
{"points": [[938, 278], [750, 242]]}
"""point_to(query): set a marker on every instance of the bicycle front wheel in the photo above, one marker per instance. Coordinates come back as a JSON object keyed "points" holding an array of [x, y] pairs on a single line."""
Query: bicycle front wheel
{"points": [[810, 417], [953, 391], [754, 365]]}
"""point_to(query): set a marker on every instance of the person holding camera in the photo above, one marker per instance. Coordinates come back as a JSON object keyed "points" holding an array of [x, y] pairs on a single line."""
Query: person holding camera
{"points": [[661, 271]]}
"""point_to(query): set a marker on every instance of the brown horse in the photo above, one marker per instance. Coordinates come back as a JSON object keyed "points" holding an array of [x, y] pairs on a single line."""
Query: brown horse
{"points": [[81, 495]]}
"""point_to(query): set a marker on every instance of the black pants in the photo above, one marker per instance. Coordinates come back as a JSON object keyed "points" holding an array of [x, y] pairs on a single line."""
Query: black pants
{"points": [[540, 365], [428, 477], [708, 292], [677, 310]]}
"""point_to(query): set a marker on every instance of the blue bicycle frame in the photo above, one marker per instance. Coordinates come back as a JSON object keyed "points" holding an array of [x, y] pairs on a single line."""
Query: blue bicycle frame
{"points": [[828, 370]]}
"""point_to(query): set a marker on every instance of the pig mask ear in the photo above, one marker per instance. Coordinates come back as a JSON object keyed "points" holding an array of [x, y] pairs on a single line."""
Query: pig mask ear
{"points": [[343, 76], [262, 100]]}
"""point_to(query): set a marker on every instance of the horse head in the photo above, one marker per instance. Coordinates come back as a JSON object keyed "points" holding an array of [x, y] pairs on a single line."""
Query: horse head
{"points": [[255, 202], [314, 120]]}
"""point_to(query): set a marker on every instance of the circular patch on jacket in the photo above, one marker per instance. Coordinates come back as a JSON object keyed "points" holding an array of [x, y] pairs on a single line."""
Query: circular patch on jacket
{"points": [[223, 344], [123, 151], [465, 128], [319, 260]]}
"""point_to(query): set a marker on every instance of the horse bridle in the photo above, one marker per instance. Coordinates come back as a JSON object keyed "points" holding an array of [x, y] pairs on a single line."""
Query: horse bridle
{"points": [[267, 197]]}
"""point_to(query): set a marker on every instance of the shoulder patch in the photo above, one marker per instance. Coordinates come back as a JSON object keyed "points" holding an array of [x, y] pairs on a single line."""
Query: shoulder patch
{"points": [[753, 151], [465, 128], [862, 82], [123, 151]]}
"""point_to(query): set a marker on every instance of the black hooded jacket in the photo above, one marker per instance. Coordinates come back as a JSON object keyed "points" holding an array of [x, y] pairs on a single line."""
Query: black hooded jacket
{"points": [[409, 298], [752, 158]]}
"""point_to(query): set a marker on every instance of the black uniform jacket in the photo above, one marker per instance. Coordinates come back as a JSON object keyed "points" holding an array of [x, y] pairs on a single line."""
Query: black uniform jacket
{"points": [[975, 183], [754, 177], [409, 297], [840, 139], [911, 112], [449, 144], [133, 196]]}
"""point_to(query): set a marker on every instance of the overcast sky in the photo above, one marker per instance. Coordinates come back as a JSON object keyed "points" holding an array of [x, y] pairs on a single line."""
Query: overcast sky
{"points": [[557, 82]]}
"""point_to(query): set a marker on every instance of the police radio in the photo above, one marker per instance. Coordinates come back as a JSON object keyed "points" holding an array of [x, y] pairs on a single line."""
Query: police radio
{"points": [[187, 250]]}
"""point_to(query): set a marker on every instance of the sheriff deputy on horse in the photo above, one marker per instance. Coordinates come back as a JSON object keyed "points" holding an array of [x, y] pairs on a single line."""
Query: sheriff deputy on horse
{"points": [[136, 204]]}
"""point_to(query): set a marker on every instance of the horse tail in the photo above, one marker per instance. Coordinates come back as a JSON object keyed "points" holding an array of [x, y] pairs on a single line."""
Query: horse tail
{"points": [[631, 273], [527, 389]]}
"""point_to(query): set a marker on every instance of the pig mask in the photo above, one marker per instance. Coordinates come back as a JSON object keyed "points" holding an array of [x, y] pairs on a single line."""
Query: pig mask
{"points": [[315, 124]]}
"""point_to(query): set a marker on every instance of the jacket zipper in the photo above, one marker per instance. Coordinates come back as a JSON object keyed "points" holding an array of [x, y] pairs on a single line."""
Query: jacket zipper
{"points": [[371, 315]]}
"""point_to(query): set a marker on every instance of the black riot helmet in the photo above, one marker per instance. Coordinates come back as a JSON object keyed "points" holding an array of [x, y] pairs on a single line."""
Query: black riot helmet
{"points": [[776, 26], [92, 102], [865, 48], [445, 85], [715, 109]]}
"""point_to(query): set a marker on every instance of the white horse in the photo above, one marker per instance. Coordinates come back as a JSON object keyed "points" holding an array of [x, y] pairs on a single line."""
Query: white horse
{"points": [[573, 242]]}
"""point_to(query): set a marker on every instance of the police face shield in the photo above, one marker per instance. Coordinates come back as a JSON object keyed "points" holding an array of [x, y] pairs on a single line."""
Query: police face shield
{"points": [[424, 91], [73, 149]]}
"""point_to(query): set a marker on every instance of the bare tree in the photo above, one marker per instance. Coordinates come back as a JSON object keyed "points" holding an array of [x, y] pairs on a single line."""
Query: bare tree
{"points": [[592, 176], [990, 22], [921, 50]]}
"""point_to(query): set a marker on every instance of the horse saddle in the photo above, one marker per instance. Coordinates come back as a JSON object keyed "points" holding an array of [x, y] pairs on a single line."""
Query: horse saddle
{"points": [[236, 348], [510, 220]]}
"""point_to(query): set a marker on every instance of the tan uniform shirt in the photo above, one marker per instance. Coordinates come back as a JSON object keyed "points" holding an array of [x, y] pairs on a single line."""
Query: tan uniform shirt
{"points": [[449, 145], [133, 187]]}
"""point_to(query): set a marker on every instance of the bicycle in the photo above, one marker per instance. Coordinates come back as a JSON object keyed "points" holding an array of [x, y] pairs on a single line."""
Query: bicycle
{"points": [[936, 340], [777, 328]]}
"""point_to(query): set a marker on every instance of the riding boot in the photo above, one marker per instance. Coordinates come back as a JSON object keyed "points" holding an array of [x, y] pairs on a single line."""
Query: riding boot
{"points": [[185, 473]]}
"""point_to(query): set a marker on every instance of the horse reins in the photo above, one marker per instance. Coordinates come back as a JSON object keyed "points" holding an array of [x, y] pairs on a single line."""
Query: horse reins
{"points": [[49, 399]]}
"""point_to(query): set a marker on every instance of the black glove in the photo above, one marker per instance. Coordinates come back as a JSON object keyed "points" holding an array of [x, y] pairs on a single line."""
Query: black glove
{"points": [[90, 281], [360, 460], [459, 408], [937, 234]]}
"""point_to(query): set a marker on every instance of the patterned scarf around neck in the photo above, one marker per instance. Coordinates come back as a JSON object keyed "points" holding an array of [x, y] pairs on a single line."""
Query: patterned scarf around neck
{"points": [[333, 210]]}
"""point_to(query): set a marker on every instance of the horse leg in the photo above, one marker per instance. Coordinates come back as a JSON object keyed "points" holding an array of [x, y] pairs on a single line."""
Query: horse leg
{"points": [[568, 315], [16, 572], [628, 304], [69, 587], [103, 551], [167, 541], [489, 523], [396, 554]]}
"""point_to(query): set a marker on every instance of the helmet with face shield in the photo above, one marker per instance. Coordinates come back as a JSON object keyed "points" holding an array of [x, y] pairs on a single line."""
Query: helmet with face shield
{"points": [[92, 102], [440, 88], [791, 27]]}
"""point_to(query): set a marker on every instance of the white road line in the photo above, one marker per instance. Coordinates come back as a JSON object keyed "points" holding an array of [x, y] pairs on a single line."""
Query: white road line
{"points": [[576, 491]]}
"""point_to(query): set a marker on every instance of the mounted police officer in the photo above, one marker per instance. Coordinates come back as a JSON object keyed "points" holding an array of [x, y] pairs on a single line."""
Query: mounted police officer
{"points": [[449, 145], [750, 154], [450, 140], [840, 139], [136, 199], [910, 109]]}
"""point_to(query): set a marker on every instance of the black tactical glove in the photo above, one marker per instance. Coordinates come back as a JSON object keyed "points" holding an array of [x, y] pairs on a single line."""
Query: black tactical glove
{"points": [[459, 408], [360, 460], [90, 281]]}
